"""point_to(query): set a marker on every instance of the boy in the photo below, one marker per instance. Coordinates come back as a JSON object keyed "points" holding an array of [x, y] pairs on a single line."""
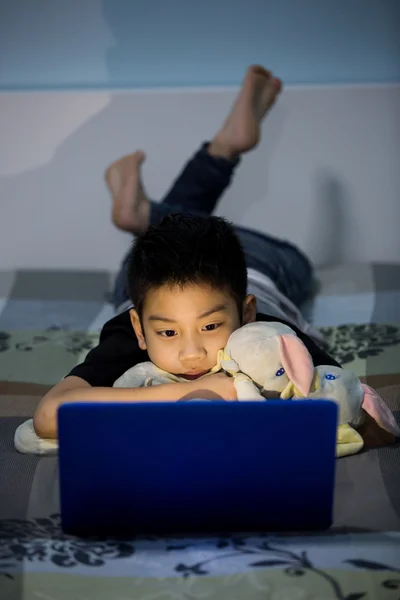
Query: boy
{"points": [[187, 276]]}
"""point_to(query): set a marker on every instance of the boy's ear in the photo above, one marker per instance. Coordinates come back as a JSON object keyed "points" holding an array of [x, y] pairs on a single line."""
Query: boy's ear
{"points": [[249, 309], [138, 328]]}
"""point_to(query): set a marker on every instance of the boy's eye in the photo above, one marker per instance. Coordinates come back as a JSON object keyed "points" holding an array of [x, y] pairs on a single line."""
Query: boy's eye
{"points": [[213, 326], [166, 333], [169, 333]]}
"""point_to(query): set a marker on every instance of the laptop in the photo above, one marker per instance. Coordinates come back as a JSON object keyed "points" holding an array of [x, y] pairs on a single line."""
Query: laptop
{"points": [[197, 467]]}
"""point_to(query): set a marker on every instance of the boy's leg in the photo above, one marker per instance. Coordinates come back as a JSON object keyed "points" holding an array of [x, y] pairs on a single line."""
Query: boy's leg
{"points": [[196, 190], [202, 182], [205, 177], [281, 261]]}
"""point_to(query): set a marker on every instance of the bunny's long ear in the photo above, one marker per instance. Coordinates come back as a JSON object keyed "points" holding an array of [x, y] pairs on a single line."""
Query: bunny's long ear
{"points": [[376, 407], [297, 362]]}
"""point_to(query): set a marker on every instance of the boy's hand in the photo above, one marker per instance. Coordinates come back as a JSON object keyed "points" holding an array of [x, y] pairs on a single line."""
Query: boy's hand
{"points": [[216, 386]]}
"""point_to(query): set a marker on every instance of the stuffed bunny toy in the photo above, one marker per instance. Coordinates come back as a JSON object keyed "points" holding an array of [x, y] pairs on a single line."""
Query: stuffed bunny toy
{"points": [[269, 360], [265, 360]]}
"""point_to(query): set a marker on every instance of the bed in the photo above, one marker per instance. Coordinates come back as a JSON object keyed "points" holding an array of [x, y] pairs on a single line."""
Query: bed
{"points": [[49, 321]]}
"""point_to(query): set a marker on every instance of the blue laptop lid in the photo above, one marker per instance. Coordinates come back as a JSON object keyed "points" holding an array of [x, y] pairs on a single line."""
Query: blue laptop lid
{"points": [[196, 467]]}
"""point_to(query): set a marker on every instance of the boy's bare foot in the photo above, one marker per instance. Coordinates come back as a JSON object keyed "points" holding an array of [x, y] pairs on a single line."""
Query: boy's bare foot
{"points": [[241, 130], [130, 210]]}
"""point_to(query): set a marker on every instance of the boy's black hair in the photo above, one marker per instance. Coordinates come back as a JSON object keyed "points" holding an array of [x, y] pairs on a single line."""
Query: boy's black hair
{"points": [[187, 249]]}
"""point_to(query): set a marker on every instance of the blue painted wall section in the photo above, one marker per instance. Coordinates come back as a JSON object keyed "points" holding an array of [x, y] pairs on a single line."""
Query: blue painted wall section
{"points": [[50, 44]]}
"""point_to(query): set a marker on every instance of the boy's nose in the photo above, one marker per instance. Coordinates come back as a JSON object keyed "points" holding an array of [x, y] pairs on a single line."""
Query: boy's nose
{"points": [[192, 353]]}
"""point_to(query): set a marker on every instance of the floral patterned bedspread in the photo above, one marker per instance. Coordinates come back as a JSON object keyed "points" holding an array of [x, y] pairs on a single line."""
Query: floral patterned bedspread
{"points": [[45, 564]]}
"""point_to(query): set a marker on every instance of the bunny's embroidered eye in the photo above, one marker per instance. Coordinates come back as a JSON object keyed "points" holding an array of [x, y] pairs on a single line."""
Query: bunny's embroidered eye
{"points": [[330, 376], [280, 372]]}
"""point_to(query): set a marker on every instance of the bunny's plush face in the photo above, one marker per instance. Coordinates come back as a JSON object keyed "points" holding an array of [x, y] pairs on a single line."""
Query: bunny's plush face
{"points": [[254, 348], [269, 373], [272, 356]]}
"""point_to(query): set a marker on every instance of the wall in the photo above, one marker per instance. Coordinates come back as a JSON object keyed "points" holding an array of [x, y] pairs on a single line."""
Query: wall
{"points": [[326, 174], [153, 43]]}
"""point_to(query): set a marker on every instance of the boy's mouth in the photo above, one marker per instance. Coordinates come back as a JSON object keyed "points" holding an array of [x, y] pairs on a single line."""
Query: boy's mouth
{"points": [[193, 375]]}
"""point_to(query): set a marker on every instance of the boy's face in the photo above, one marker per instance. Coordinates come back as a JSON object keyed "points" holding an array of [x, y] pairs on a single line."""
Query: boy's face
{"points": [[184, 328]]}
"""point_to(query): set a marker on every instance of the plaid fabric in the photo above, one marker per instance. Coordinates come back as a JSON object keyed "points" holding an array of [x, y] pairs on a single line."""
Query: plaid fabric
{"points": [[79, 300], [49, 320]]}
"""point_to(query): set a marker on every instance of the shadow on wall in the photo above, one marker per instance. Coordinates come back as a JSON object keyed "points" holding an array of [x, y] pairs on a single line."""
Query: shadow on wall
{"points": [[329, 225], [58, 200]]}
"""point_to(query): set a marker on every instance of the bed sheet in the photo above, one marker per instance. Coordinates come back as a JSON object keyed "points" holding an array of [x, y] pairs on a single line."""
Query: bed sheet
{"points": [[48, 322]]}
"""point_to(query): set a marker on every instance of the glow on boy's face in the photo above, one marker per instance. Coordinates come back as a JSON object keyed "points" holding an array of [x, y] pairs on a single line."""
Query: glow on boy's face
{"points": [[184, 328]]}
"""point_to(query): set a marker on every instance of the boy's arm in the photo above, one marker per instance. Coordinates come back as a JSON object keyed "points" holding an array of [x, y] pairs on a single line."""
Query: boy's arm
{"points": [[217, 386]]}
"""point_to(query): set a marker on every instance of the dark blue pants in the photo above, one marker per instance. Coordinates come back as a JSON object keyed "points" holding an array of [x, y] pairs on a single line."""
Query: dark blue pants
{"points": [[197, 190]]}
